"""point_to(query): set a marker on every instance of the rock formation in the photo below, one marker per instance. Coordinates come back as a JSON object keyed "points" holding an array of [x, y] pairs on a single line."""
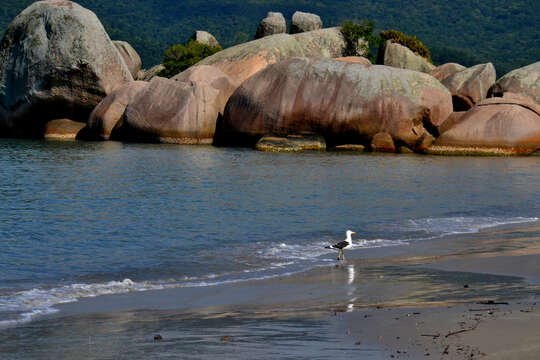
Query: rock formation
{"points": [[147, 75], [242, 61], [213, 77], [170, 111], [204, 37], [399, 56], [470, 85], [443, 71], [291, 143], [273, 23], [524, 81], [62, 129], [130, 56], [304, 22], [109, 112], [343, 102], [495, 126], [56, 61], [355, 60]]}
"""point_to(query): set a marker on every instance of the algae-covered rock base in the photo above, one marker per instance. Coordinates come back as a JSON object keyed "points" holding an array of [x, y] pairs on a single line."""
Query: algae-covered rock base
{"points": [[57, 62]]}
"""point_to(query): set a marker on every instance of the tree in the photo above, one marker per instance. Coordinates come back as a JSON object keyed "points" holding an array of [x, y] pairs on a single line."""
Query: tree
{"points": [[360, 38], [180, 57]]}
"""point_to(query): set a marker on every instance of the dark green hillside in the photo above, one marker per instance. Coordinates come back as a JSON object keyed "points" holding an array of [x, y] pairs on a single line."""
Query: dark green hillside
{"points": [[502, 31]]}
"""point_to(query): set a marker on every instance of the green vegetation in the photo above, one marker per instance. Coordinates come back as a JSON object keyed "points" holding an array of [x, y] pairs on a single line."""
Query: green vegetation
{"points": [[179, 57], [354, 32], [468, 32], [408, 41]]}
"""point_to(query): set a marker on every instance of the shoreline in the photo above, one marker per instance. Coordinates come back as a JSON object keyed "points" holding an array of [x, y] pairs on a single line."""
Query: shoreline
{"points": [[380, 302]]}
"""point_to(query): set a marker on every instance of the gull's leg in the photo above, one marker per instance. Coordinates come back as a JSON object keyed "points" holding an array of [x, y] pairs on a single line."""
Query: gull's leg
{"points": [[339, 254], [343, 255]]}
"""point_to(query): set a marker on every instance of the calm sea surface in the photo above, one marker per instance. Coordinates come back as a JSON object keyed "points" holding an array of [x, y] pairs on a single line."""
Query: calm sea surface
{"points": [[82, 219]]}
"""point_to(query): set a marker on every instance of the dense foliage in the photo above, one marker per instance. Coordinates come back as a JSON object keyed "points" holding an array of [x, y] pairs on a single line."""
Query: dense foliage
{"points": [[464, 31], [353, 32], [408, 41], [179, 57]]}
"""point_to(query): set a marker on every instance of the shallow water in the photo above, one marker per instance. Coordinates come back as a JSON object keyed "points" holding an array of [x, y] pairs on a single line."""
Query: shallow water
{"points": [[83, 219]]}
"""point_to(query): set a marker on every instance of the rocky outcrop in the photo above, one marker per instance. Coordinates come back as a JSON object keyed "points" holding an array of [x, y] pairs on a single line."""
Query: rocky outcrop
{"points": [[399, 56], [147, 75], [355, 60], [291, 143], [345, 103], [213, 77], [109, 112], [242, 61], [304, 22], [131, 58], [204, 37], [524, 81], [470, 86], [56, 61], [495, 126], [273, 23], [171, 111], [62, 129], [383, 142], [443, 71]]}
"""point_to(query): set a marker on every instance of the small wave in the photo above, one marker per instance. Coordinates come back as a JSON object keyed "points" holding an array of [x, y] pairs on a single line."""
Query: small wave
{"points": [[438, 227]]}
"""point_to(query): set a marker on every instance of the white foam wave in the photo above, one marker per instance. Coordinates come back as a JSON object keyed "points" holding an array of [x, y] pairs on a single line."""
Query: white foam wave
{"points": [[437, 227], [278, 260]]}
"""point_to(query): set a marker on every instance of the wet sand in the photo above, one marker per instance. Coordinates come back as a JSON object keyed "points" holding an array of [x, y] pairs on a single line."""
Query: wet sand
{"points": [[422, 300]]}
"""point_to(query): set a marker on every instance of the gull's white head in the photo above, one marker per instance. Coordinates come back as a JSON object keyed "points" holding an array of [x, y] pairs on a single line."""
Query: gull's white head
{"points": [[349, 233]]}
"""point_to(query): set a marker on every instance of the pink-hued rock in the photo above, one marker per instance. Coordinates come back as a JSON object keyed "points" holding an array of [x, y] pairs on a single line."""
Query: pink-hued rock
{"points": [[383, 142], [451, 121], [335, 99], [399, 56], [213, 77], [355, 60], [131, 58], [443, 71], [470, 86], [62, 129], [171, 111], [110, 110], [273, 23], [242, 61], [495, 126], [524, 81], [56, 61]]}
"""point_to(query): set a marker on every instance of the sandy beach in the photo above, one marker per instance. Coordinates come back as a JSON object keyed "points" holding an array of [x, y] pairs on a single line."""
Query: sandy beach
{"points": [[460, 297]]}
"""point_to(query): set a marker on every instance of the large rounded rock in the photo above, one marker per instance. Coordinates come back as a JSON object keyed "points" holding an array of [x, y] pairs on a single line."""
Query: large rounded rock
{"points": [[147, 75], [524, 81], [346, 103], [62, 129], [56, 61], [131, 58], [304, 22], [171, 111], [242, 61], [496, 126], [399, 56], [204, 37], [109, 112], [213, 77], [470, 85], [443, 71], [273, 23]]}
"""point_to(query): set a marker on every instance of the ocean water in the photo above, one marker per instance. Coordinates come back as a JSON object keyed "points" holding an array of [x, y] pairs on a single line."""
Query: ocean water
{"points": [[82, 219]]}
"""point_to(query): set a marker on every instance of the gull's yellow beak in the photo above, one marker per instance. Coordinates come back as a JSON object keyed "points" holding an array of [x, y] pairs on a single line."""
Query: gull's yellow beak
{"points": [[354, 232]]}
